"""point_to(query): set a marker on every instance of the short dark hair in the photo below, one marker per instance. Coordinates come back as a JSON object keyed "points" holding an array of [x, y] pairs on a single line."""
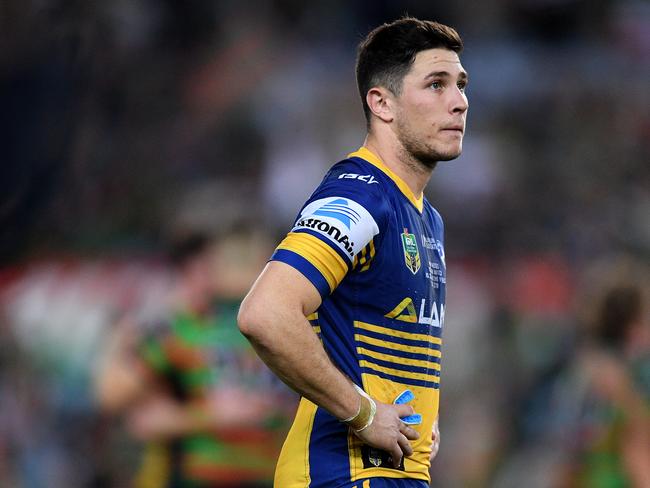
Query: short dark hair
{"points": [[385, 56]]}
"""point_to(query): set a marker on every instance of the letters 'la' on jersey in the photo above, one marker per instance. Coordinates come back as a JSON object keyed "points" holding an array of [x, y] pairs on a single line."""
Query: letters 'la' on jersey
{"points": [[375, 254]]}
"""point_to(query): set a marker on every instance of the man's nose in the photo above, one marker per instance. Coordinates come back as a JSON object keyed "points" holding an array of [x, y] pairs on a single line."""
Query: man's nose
{"points": [[459, 102]]}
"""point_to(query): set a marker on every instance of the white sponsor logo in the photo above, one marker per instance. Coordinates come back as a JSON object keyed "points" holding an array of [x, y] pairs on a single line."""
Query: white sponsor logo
{"points": [[353, 176], [344, 222], [434, 318], [435, 273], [428, 242], [441, 251], [431, 243]]}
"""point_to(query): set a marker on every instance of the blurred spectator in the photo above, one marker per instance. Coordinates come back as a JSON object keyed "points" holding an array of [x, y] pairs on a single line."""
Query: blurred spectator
{"points": [[584, 420], [188, 385], [611, 443]]}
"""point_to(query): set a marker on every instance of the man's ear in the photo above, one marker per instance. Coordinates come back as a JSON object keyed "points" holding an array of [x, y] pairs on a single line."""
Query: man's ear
{"points": [[380, 102]]}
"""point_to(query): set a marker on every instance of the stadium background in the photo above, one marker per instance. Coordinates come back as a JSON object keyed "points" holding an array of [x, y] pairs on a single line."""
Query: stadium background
{"points": [[128, 121]]}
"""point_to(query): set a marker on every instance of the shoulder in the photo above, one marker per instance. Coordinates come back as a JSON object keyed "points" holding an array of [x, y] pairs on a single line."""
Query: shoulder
{"points": [[358, 183], [347, 210], [356, 171]]}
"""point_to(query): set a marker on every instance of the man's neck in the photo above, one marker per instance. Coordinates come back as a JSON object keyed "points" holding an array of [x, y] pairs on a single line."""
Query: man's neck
{"points": [[393, 155]]}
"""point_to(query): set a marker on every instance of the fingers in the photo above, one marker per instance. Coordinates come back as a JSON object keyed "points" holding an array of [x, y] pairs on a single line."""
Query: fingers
{"points": [[402, 399], [404, 410], [409, 432], [435, 444], [403, 449], [405, 446], [396, 456], [390, 433]]}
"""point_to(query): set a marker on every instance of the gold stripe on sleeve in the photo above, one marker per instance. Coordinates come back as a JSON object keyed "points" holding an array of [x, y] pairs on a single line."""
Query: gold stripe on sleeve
{"points": [[323, 257]]}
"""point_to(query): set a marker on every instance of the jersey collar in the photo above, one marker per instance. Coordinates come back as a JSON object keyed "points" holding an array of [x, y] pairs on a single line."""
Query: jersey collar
{"points": [[365, 154]]}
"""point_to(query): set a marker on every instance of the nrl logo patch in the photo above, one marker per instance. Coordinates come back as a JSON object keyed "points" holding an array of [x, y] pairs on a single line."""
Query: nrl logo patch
{"points": [[411, 253]]}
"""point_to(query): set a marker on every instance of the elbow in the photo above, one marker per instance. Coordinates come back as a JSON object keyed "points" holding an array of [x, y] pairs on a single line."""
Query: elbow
{"points": [[249, 319]]}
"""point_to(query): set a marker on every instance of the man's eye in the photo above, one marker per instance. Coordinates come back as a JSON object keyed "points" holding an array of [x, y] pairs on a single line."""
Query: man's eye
{"points": [[436, 85], [462, 85]]}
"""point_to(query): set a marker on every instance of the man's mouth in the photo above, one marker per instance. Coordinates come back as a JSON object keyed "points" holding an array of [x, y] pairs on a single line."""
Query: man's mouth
{"points": [[454, 128]]}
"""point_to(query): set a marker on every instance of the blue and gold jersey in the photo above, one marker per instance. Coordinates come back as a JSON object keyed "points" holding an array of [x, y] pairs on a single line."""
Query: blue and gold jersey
{"points": [[375, 253]]}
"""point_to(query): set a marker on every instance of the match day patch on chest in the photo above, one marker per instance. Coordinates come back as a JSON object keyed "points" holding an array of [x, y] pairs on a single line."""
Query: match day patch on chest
{"points": [[411, 252], [343, 222]]}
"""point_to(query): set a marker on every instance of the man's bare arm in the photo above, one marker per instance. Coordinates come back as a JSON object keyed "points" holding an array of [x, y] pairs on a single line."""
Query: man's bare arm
{"points": [[273, 318]]}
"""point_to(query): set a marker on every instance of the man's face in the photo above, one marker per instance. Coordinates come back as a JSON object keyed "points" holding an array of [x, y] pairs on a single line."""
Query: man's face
{"points": [[430, 112]]}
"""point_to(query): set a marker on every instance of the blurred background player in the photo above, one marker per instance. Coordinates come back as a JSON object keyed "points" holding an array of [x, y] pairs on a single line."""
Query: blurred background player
{"points": [[599, 393], [188, 385], [612, 372]]}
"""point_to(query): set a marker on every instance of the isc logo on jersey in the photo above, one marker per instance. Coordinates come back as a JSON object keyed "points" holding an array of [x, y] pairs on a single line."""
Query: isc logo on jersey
{"points": [[343, 222]]}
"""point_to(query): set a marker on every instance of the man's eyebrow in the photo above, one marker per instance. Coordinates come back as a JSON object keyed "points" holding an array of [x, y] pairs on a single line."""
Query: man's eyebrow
{"points": [[444, 74]]}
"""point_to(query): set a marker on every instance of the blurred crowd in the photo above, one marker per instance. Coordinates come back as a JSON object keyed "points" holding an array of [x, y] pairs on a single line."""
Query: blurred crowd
{"points": [[125, 124]]}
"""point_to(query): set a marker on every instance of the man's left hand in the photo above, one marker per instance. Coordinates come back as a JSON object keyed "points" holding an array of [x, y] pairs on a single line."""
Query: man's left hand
{"points": [[435, 436]]}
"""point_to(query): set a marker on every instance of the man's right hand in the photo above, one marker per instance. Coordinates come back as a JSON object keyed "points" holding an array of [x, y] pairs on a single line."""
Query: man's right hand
{"points": [[388, 433]]}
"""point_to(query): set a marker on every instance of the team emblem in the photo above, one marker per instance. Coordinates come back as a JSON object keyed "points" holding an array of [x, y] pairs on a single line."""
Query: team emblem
{"points": [[411, 253]]}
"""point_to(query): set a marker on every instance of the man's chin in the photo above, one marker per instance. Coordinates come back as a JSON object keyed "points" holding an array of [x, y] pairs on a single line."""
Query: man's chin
{"points": [[450, 154], [430, 159], [429, 155]]}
